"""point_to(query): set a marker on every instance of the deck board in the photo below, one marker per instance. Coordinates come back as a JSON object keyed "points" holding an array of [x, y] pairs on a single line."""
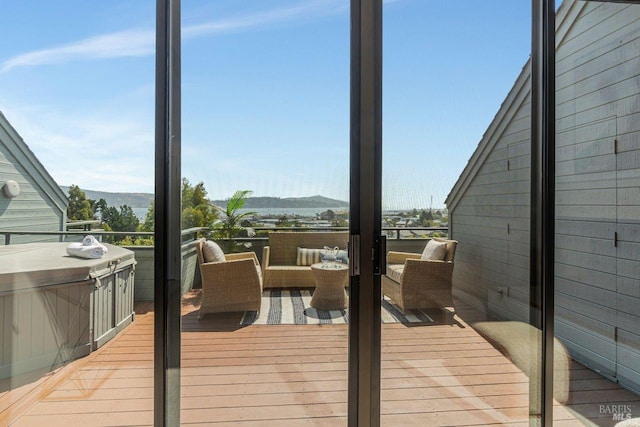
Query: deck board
{"points": [[437, 375]]}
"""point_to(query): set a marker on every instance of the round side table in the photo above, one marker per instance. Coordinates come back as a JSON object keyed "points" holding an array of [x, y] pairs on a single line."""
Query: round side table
{"points": [[331, 279]]}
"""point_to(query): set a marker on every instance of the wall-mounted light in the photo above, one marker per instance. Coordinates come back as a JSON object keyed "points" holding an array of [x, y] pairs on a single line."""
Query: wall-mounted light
{"points": [[11, 189]]}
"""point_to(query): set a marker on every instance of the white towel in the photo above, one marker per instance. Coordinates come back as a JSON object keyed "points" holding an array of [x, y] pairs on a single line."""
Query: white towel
{"points": [[89, 240], [82, 251]]}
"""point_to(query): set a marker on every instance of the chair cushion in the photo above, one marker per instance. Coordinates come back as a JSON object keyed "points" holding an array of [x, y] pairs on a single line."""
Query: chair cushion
{"points": [[434, 250], [309, 256], [211, 252], [394, 272]]}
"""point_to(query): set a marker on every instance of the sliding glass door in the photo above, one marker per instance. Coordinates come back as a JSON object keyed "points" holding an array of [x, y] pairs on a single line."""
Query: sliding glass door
{"points": [[265, 169], [460, 342], [468, 339], [347, 289], [597, 230]]}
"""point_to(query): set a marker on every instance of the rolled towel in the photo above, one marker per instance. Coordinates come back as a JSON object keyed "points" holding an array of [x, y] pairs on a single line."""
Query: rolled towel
{"points": [[82, 251], [89, 240]]}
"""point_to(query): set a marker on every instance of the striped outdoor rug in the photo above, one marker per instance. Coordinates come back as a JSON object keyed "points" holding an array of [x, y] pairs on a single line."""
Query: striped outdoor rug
{"points": [[291, 307]]}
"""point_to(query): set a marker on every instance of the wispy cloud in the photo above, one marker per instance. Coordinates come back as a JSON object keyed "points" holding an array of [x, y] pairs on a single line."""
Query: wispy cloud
{"points": [[119, 146], [301, 11], [114, 45], [131, 43]]}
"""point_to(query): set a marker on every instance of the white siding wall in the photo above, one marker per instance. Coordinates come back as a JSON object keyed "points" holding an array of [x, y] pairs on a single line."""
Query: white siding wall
{"points": [[597, 197]]}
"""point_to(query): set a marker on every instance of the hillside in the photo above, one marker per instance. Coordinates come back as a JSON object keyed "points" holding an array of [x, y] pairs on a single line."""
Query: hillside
{"points": [[143, 200], [289, 202], [133, 200]]}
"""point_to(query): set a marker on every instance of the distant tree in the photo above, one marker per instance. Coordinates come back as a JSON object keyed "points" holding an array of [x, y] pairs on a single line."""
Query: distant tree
{"points": [[98, 207], [119, 220], [328, 215], [287, 221], [230, 224], [149, 218], [339, 222], [197, 210], [425, 218], [79, 207], [283, 221], [136, 241]]}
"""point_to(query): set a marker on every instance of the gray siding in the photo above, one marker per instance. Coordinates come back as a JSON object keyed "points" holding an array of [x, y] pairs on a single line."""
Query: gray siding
{"points": [[597, 190], [597, 197], [36, 208], [490, 222]]}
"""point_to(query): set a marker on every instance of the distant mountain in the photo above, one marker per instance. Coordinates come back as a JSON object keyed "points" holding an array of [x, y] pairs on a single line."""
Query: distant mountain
{"points": [[133, 200], [289, 202], [143, 200]]}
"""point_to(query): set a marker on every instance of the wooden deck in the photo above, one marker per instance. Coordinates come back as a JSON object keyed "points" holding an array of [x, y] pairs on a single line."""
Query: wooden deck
{"points": [[435, 375]]}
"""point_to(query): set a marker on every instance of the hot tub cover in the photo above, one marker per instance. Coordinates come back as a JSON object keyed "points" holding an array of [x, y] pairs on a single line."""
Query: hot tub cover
{"points": [[29, 265]]}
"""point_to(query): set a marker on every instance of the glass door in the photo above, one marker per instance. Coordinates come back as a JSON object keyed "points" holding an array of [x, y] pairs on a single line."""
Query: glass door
{"points": [[265, 187], [460, 333], [500, 251], [597, 338], [76, 180]]}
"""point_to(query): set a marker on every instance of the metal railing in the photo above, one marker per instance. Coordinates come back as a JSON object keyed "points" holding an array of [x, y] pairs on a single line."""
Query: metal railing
{"points": [[395, 233], [82, 224], [188, 234]]}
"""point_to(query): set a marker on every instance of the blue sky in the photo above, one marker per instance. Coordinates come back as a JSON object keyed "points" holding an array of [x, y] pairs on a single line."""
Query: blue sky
{"points": [[265, 90]]}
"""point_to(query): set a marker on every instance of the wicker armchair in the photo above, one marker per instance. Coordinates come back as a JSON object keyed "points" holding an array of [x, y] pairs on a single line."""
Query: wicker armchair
{"points": [[414, 283], [233, 285]]}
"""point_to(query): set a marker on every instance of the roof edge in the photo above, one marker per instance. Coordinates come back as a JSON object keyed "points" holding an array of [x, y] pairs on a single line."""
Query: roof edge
{"points": [[54, 192], [566, 15]]}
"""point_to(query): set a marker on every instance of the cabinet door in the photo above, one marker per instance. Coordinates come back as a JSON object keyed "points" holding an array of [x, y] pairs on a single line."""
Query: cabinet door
{"points": [[103, 313], [123, 298]]}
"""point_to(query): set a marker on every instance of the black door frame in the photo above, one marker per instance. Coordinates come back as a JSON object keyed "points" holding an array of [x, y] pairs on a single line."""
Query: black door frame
{"points": [[542, 214], [365, 213], [167, 235]]}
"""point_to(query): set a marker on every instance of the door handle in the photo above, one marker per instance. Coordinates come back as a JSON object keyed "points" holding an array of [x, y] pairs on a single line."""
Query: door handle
{"points": [[354, 255], [380, 256]]}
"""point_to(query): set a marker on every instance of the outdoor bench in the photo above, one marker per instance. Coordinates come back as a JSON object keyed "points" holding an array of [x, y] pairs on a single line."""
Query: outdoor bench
{"points": [[285, 266]]}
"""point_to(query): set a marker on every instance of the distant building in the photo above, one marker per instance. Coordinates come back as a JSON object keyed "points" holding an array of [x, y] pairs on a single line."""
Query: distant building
{"points": [[30, 200], [597, 265]]}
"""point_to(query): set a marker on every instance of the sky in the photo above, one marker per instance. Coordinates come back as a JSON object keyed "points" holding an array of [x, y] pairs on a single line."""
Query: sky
{"points": [[265, 92]]}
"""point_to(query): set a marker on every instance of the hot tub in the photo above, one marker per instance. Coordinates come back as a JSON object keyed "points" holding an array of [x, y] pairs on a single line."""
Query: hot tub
{"points": [[55, 308]]}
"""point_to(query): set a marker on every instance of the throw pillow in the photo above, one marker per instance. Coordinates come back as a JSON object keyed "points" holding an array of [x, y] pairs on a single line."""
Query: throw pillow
{"points": [[343, 256], [211, 252], [309, 256], [434, 250]]}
